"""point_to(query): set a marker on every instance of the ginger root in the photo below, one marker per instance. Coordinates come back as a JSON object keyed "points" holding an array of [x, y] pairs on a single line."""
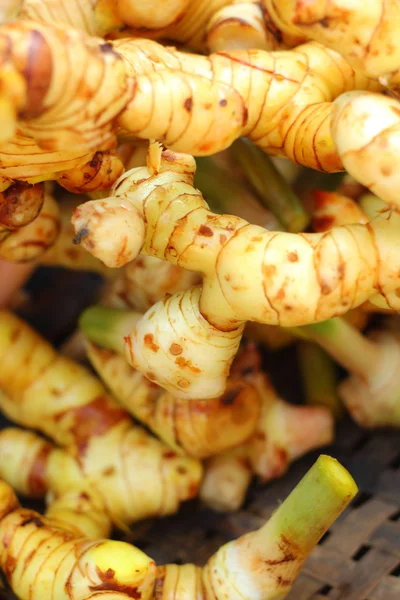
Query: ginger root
{"points": [[196, 427], [249, 273], [43, 553], [202, 25], [284, 432], [28, 243], [280, 100], [145, 281], [366, 34], [135, 475], [21, 159]]}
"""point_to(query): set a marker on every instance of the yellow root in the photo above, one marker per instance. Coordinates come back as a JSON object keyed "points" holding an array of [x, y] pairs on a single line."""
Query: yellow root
{"points": [[196, 427], [28, 243], [369, 145], [144, 281], [20, 204], [127, 84], [275, 278], [134, 474], [365, 33], [40, 553], [284, 433]]}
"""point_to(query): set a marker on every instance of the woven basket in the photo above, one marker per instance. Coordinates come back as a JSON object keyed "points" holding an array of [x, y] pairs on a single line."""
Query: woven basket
{"points": [[358, 559]]}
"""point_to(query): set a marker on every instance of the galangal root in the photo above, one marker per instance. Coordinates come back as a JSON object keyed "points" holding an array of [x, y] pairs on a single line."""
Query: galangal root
{"points": [[202, 25], [46, 554], [133, 474], [249, 273], [280, 100], [366, 34], [284, 433], [31, 241]]}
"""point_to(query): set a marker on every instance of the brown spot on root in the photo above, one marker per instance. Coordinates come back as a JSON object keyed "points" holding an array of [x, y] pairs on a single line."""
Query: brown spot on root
{"points": [[293, 256], [183, 383], [150, 375], [222, 239], [188, 104], [184, 363], [205, 231], [108, 48], [108, 471], [287, 550], [341, 270], [35, 519], [283, 582], [325, 289], [92, 420], [322, 223], [169, 454], [386, 171], [81, 235], [96, 160], [269, 270], [223, 102], [149, 342], [111, 584], [37, 477], [9, 566], [175, 349], [281, 294]]}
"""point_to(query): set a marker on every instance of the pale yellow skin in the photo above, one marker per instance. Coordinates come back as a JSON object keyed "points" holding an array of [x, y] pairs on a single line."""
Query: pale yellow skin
{"points": [[280, 100], [366, 33], [284, 432], [333, 210], [373, 401], [275, 278], [195, 427], [46, 557], [370, 394], [366, 130], [22, 159], [31, 241], [202, 25], [146, 280], [9, 9], [134, 474]]}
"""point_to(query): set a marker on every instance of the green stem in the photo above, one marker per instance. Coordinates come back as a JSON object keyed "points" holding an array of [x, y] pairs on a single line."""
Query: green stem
{"points": [[314, 504], [345, 344], [107, 327], [273, 189], [319, 377], [226, 194]]}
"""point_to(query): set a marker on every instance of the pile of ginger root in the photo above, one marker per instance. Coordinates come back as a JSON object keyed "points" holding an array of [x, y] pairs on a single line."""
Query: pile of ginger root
{"points": [[229, 170]]}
